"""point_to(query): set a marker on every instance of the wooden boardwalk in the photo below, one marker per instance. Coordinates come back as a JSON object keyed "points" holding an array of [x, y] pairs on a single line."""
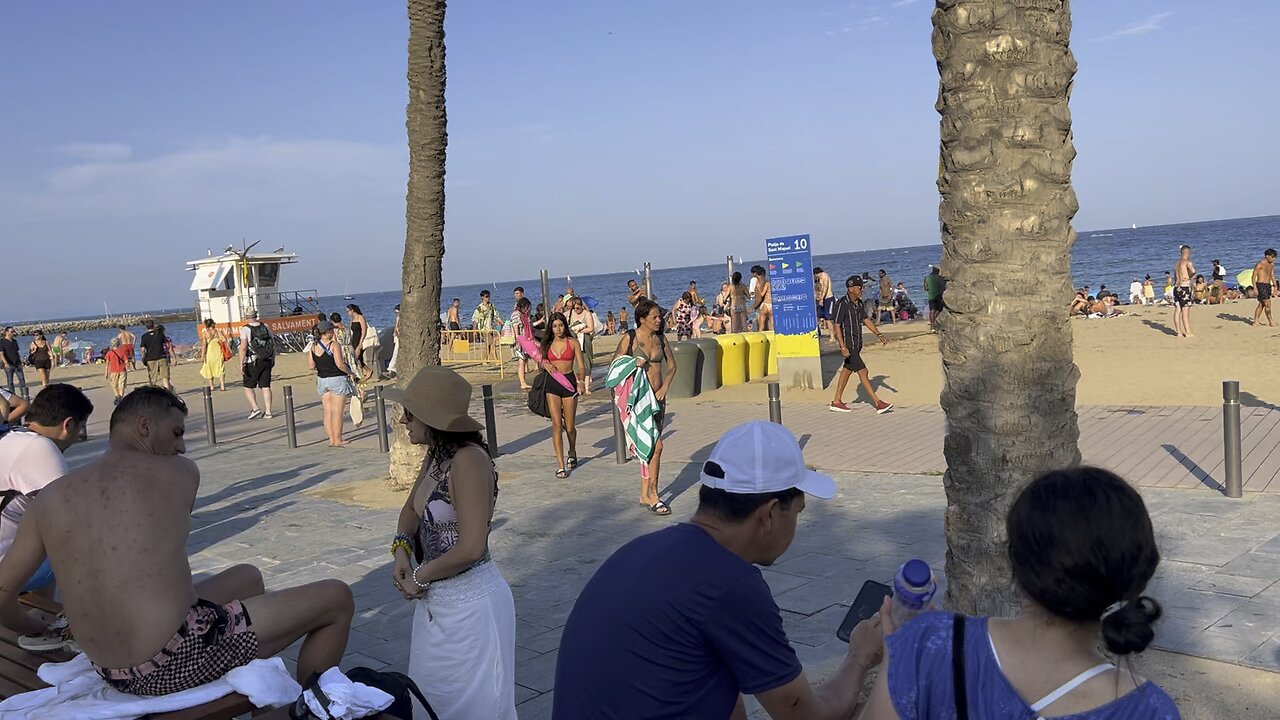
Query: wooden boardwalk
{"points": [[1170, 446]]}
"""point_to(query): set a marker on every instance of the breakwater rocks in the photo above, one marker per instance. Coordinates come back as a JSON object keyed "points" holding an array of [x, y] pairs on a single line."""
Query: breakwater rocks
{"points": [[68, 326]]}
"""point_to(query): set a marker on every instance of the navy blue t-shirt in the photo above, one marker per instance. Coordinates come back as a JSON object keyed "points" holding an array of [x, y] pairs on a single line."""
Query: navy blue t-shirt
{"points": [[672, 625]]}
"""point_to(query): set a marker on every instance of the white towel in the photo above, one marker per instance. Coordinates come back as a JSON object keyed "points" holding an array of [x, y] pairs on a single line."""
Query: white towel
{"points": [[77, 692], [347, 700]]}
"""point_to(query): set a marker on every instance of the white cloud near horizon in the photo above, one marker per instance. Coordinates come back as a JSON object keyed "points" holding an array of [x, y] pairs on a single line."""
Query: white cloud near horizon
{"points": [[96, 152], [901, 3], [1150, 25]]}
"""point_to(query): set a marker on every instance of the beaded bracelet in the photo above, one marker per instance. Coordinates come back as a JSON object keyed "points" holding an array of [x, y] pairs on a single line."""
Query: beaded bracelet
{"points": [[401, 541], [414, 576]]}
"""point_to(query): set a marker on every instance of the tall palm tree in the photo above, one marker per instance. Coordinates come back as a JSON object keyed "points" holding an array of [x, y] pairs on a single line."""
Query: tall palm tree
{"points": [[424, 214], [1005, 178]]}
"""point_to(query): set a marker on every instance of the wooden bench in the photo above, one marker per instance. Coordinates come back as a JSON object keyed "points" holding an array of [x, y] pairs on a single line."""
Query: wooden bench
{"points": [[18, 675]]}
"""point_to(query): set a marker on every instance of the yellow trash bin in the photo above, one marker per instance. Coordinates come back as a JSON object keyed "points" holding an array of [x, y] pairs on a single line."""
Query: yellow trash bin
{"points": [[757, 355], [772, 367], [733, 358]]}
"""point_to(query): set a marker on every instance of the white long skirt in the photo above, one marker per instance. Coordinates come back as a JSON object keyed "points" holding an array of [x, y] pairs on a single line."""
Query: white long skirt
{"points": [[463, 652]]}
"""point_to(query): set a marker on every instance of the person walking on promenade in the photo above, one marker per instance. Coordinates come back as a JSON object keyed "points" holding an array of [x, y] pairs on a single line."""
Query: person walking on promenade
{"points": [[333, 383], [1183, 297], [257, 358], [1081, 588], [582, 323], [934, 286], [691, 645], [342, 336], [216, 353], [117, 369], [521, 325], [848, 321], [648, 346], [11, 358], [40, 355], [154, 355], [127, 340], [364, 344], [1264, 280], [764, 299], [395, 345], [561, 353], [485, 320], [463, 639], [738, 301]]}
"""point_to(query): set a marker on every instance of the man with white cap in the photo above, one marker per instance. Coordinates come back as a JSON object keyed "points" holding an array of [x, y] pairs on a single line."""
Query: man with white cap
{"points": [[680, 622]]}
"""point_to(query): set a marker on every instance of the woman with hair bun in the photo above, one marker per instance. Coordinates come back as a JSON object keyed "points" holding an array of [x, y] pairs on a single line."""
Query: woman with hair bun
{"points": [[1082, 551]]}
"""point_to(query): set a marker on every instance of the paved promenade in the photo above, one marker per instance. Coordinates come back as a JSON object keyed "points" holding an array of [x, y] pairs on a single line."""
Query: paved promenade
{"points": [[1219, 581]]}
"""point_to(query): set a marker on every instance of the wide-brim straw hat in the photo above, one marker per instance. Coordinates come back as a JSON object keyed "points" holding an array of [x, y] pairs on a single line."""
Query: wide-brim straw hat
{"points": [[439, 397]]}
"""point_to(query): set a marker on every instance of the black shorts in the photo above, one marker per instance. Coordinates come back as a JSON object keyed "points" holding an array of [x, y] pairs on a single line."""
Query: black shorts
{"points": [[1264, 292], [454, 327], [853, 363], [555, 388], [935, 304], [257, 374], [1182, 296]]}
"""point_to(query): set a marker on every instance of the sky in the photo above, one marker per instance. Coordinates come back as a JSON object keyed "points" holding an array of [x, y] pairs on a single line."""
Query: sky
{"points": [[584, 135]]}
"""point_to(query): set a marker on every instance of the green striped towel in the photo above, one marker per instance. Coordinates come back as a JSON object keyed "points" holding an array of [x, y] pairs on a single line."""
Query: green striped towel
{"points": [[636, 403]]}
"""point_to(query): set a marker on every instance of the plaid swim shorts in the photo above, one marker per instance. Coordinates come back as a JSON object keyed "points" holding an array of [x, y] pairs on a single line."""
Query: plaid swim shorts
{"points": [[214, 640]]}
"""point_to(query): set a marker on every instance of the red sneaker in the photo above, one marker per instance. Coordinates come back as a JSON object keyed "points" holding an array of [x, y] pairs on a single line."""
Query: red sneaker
{"points": [[839, 407], [883, 407]]}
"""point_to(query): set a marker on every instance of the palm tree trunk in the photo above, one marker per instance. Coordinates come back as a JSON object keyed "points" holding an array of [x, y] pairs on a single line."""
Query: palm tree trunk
{"points": [[1007, 203], [424, 215]]}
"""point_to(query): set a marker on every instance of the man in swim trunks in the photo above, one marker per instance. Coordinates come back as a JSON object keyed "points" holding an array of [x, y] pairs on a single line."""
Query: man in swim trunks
{"points": [[823, 298], [1264, 279], [127, 340], [1183, 297], [115, 531]]}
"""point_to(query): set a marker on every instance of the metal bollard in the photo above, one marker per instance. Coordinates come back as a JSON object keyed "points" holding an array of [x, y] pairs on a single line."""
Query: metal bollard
{"points": [[619, 434], [775, 403], [210, 432], [1231, 436], [290, 424], [490, 420], [380, 407]]}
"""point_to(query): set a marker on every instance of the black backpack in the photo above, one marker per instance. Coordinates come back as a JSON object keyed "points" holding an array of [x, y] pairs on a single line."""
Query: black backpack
{"points": [[399, 686], [261, 345]]}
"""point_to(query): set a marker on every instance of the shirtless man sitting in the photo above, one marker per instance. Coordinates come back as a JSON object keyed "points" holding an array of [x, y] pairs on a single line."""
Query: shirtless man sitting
{"points": [[116, 533]]}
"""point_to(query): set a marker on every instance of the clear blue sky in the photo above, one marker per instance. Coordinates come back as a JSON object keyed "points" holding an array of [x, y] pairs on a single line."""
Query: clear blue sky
{"points": [[584, 135]]}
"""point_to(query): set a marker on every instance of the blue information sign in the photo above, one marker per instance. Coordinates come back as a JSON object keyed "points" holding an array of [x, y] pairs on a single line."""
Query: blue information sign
{"points": [[791, 280]]}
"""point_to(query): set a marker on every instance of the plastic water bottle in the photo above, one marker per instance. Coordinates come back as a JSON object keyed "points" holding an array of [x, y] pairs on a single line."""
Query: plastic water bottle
{"points": [[913, 589]]}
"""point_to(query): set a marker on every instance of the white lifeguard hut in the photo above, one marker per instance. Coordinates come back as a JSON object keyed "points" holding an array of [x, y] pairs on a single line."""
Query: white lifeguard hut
{"points": [[230, 286]]}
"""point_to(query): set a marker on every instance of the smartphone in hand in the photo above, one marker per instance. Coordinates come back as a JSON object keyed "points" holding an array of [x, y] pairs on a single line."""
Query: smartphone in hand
{"points": [[868, 603]]}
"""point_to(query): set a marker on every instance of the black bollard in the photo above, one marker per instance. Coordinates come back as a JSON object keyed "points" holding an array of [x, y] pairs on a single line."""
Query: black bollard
{"points": [[290, 424], [210, 433], [1231, 450], [490, 420], [775, 403], [619, 434], [380, 407]]}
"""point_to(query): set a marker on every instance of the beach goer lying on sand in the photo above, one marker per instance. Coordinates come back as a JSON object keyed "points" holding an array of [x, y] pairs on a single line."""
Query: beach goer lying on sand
{"points": [[115, 531], [1105, 307]]}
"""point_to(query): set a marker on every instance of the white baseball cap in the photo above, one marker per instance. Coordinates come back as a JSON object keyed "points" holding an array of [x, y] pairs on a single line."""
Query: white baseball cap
{"points": [[762, 457]]}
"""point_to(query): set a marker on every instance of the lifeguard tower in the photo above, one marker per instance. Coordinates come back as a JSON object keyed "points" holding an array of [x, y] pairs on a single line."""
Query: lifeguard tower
{"points": [[230, 286]]}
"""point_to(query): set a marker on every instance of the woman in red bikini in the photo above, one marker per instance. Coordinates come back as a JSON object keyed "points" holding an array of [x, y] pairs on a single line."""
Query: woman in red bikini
{"points": [[561, 353]]}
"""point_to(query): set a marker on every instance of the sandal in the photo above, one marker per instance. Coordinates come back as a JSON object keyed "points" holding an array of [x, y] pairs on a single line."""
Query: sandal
{"points": [[659, 508], [573, 462], [562, 473]]}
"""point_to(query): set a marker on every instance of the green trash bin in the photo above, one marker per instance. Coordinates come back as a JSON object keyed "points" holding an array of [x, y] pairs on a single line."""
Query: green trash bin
{"points": [[685, 382], [708, 364]]}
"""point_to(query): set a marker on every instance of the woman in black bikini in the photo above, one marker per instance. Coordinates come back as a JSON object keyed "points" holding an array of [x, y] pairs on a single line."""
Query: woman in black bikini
{"points": [[41, 357], [561, 353]]}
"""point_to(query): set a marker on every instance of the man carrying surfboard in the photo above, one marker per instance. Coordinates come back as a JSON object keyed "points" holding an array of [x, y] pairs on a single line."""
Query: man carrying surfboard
{"points": [[1264, 280]]}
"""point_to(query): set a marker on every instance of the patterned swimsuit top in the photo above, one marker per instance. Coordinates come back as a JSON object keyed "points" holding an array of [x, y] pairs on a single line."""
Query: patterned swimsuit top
{"points": [[438, 525]]}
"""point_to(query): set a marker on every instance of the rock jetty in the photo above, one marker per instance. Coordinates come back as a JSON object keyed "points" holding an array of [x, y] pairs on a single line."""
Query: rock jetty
{"points": [[70, 326]]}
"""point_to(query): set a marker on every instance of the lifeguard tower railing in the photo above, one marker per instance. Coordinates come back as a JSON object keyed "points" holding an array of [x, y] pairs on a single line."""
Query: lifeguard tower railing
{"points": [[289, 313]]}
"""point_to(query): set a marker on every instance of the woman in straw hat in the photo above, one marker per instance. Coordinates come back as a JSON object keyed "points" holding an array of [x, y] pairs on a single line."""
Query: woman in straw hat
{"points": [[462, 652]]}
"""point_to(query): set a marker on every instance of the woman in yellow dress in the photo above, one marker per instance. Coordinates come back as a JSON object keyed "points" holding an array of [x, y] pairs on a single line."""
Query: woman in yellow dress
{"points": [[212, 339]]}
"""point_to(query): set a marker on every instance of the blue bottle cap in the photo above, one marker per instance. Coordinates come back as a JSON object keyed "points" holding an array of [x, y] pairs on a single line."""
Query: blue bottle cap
{"points": [[917, 573]]}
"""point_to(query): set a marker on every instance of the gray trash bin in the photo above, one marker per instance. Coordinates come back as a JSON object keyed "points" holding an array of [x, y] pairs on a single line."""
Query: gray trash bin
{"points": [[708, 364], [685, 382]]}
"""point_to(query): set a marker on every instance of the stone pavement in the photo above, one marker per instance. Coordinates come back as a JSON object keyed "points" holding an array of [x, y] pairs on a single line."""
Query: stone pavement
{"points": [[1219, 580]]}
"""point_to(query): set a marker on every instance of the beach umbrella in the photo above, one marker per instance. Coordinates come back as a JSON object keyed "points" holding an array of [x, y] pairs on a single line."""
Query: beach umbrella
{"points": [[1245, 278], [590, 302]]}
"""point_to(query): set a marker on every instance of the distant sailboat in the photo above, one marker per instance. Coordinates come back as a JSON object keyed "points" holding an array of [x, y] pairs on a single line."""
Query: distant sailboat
{"points": [[568, 279], [1133, 226], [346, 293]]}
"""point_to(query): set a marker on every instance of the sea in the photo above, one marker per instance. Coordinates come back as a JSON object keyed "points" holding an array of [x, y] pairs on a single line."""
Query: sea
{"points": [[1111, 257]]}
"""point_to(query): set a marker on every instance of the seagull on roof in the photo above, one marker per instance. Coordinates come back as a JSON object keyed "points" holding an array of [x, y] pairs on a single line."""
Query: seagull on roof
{"points": [[279, 249]]}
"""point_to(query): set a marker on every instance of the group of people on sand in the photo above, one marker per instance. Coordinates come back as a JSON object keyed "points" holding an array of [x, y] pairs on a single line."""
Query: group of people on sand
{"points": [[1184, 287]]}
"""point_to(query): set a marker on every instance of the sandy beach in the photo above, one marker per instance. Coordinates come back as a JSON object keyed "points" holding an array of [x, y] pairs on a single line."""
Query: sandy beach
{"points": [[1133, 359]]}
